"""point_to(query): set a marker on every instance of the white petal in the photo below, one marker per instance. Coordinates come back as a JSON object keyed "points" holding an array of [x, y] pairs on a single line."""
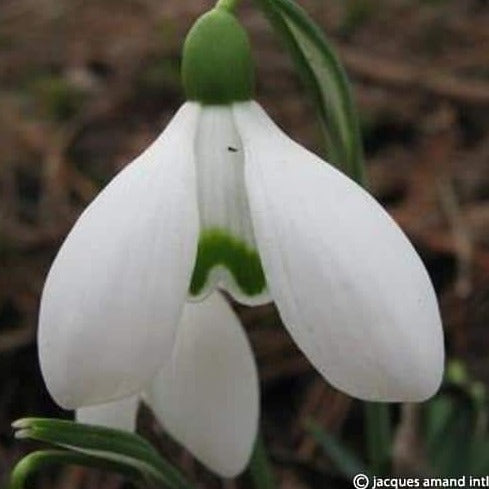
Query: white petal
{"points": [[227, 256], [120, 415], [115, 292], [207, 397], [223, 203], [350, 287]]}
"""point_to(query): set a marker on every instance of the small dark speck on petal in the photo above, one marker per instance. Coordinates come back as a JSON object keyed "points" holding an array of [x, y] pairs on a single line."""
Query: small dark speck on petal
{"points": [[232, 149]]}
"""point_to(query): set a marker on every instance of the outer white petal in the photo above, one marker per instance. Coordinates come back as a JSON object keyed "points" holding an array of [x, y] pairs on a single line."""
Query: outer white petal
{"points": [[207, 397], [350, 287], [120, 415], [114, 294]]}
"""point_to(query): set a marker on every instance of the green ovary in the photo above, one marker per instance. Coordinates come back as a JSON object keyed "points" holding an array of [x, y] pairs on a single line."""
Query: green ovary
{"points": [[217, 248]]}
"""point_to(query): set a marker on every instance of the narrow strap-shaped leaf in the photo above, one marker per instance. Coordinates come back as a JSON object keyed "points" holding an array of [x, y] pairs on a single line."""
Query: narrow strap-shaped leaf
{"points": [[119, 440], [343, 459], [450, 442], [109, 444], [378, 432], [260, 469], [326, 82], [438, 413], [479, 456], [93, 447], [36, 461]]}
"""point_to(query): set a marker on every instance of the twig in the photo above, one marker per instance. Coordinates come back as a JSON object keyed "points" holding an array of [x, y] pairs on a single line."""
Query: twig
{"points": [[403, 75], [463, 243], [408, 452]]}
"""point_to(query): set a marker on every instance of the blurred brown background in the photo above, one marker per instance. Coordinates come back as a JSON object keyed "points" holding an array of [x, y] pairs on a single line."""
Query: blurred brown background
{"points": [[87, 84]]}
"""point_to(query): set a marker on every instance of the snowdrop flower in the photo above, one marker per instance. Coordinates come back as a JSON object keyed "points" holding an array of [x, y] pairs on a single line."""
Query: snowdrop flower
{"points": [[223, 199]]}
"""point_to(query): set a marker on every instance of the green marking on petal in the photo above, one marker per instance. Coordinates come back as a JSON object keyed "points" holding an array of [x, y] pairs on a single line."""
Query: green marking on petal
{"points": [[216, 247]]}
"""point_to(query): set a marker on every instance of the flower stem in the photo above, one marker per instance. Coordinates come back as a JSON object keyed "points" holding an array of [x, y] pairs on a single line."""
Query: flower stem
{"points": [[260, 468], [227, 4]]}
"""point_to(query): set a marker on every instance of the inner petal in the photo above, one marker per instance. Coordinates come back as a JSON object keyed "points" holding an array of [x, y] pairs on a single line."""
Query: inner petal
{"points": [[227, 255]]}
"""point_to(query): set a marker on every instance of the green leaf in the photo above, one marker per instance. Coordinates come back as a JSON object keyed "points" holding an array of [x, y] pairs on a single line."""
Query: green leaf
{"points": [[326, 81], [438, 413], [115, 439], [450, 439], [36, 461], [260, 468], [114, 446], [378, 432], [344, 460], [479, 457]]}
